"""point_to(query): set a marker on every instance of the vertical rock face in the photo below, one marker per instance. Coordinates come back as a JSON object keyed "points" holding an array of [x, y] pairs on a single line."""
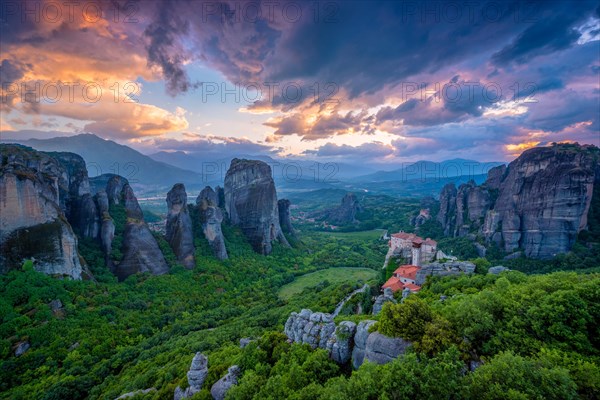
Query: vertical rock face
{"points": [[314, 329], [220, 388], [140, 250], [539, 203], [341, 342], [78, 203], [360, 342], [114, 188], [345, 213], [251, 203], [447, 213], [33, 224], [196, 377], [179, 226], [211, 217], [285, 219]]}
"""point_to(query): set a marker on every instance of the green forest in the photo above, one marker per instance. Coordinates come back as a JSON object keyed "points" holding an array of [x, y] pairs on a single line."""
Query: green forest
{"points": [[513, 336]]}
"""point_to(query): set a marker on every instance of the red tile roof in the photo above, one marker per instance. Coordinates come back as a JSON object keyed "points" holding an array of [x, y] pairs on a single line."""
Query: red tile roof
{"points": [[395, 284], [407, 271]]}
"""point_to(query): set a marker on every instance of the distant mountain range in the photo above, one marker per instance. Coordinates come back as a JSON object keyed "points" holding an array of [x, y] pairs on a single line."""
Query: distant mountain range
{"points": [[105, 156], [159, 171], [430, 170]]}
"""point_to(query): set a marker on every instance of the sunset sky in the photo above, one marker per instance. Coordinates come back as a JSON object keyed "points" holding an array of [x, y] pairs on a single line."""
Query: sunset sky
{"points": [[374, 82]]}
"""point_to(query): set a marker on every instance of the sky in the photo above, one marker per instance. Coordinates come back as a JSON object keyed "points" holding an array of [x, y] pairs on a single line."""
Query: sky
{"points": [[372, 82]]}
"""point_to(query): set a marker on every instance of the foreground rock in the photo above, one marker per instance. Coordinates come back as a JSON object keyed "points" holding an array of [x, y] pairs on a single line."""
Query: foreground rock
{"points": [[251, 203], [220, 388], [196, 377], [179, 226], [211, 218], [34, 224], [345, 342], [539, 203]]}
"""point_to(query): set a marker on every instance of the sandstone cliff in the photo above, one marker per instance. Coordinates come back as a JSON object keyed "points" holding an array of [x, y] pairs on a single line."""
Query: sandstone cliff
{"points": [[251, 203], [179, 226], [33, 224], [211, 218], [538, 204]]}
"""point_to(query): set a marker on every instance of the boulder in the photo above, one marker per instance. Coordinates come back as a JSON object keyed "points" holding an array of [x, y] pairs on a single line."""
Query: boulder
{"points": [[381, 349], [497, 269], [220, 388], [251, 203], [179, 226], [21, 348]]}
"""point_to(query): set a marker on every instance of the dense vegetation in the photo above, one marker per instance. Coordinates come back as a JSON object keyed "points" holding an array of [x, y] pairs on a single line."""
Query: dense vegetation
{"points": [[511, 336], [111, 338]]}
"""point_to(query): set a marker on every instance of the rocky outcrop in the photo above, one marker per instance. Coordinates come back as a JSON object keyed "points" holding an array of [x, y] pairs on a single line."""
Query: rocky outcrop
{"points": [[341, 342], [33, 193], [196, 377], [21, 348], [381, 349], [314, 329], [285, 219], [211, 218], [447, 214], [443, 269], [140, 252], [360, 342], [386, 297], [539, 203], [497, 270], [220, 388], [251, 203], [114, 188], [136, 393], [345, 342], [179, 226], [344, 214]]}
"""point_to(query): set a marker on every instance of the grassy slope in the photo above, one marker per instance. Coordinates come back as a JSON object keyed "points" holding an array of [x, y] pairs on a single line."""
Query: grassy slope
{"points": [[334, 276]]}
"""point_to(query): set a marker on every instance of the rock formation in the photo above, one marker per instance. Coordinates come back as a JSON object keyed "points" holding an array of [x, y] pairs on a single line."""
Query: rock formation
{"points": [[360, 342], [539, 203], [285, 220], [251, 203], [345, 342], [33, 224], [344, 214], [196, 377], [140, 250], [443, 269], [341, 342], [381, 349], [314, 329], [211, 218], [386, 297], [114, 188], [220, 388], [179, 226]]}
